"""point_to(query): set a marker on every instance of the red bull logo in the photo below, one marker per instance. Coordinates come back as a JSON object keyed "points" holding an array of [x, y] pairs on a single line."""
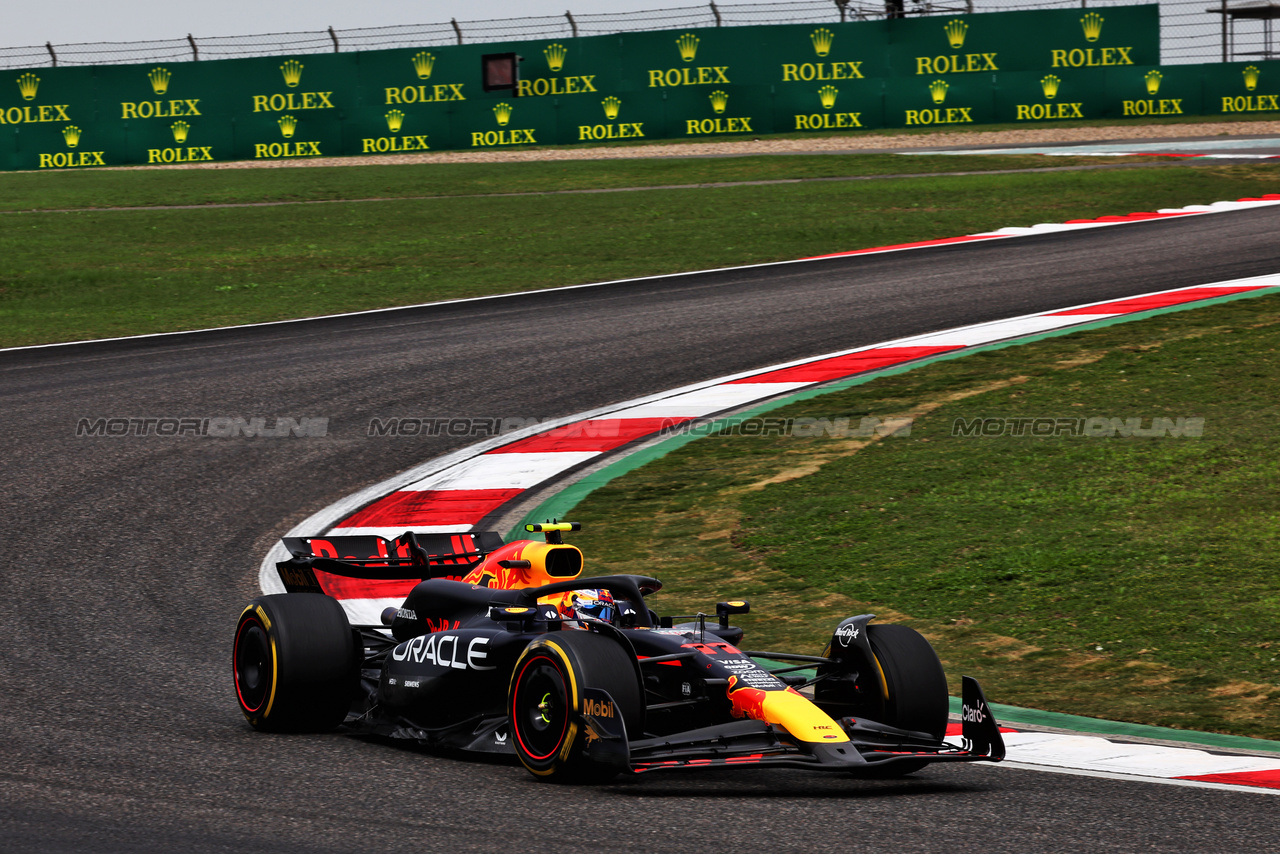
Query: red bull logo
{"points": [[786, 708], [747, 702], [528, 564]]}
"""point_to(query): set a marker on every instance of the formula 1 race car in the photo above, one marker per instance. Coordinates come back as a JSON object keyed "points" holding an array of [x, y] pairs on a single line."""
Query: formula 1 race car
{"points": [[505, 648]]}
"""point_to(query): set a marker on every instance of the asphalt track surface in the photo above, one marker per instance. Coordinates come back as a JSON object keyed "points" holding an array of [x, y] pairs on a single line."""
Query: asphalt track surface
{"points": [[127, 561]]}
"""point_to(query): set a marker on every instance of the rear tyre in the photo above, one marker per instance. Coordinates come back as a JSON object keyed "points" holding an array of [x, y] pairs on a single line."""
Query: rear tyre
{"points": [[546, 695], [295, 663], [914, 688]]}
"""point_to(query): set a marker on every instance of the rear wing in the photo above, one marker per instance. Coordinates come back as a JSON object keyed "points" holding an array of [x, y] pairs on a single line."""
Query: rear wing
{"points": [[409, 556]]}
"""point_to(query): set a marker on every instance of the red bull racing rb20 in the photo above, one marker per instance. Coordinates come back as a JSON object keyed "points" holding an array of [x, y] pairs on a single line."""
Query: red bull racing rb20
{"points": [[507, 648]]}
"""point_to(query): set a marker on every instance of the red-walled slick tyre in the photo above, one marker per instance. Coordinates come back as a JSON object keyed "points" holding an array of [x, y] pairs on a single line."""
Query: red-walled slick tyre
{"points": [[295, 662], [546, 694]]}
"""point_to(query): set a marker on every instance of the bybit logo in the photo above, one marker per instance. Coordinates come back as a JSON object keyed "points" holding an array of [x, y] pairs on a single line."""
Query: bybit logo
{"points": [[292, 71], [1092, 25], [395, 120], [502, 112], [159, 78], [1050, 86], [555, 54], [27, 85], [71, 134], [688, 46], [180, 131], [1251, 74], [828, 96], [611, 106], [1153, 79], [719, 100], [956, 31], [423, 62], [822, 39], [288, 124], [938, 91]]}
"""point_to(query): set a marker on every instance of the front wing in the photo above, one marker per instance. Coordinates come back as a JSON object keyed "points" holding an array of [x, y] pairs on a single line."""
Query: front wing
{"points": [[756, 743]]}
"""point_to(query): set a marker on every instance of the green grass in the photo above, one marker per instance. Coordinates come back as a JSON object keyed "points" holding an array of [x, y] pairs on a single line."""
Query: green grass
{"points": [[108, 188], [70, 276], [1124, 578]]}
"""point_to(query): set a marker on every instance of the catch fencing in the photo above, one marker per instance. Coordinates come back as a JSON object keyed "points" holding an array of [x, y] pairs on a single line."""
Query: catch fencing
{"points": [[1191, 30]]}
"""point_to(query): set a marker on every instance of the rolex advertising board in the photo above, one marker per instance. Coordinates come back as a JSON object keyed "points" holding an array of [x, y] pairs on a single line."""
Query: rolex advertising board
{"points": [[49, 119], [1025, 41], [942, 102], [1240, 88], [830, 78], [1175, 90], [165, 113], [936, 72], [1036, 96]]}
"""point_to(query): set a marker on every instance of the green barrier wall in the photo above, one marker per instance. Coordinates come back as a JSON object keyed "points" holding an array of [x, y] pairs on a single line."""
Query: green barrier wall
{"points": [[676, 84]]}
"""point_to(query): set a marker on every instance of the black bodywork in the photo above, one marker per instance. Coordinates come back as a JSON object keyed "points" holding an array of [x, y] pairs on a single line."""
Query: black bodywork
{"points": [[440, 669]]}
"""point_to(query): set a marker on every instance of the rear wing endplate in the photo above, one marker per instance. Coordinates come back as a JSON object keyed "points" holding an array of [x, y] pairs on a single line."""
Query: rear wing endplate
{"points": [[409, 556]]}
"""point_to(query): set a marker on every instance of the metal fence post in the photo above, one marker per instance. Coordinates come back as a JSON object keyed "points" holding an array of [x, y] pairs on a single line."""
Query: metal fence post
{"points": [[195, 51], [573, 25], [843, 6], [456, 29], [715, 12], [1224, 31], [53, 56], [334, 36]]}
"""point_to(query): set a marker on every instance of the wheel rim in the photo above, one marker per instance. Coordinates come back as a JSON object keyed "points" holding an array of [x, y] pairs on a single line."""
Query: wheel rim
{"points": [[254, 668], [540, 707]]}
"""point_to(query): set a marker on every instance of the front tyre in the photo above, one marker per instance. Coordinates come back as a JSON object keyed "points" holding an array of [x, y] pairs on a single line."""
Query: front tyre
{"points": [[914, 688], [546, 695], [915, 684], [295, 663]]}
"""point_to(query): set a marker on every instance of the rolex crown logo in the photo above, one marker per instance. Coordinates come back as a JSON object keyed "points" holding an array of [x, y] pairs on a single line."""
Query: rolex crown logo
{"points": [[1153, 79], [956, 31], [822, 39], [938, 89], [719, 100], [502, 112], [288, 124], [395, 119], [159, 78], [180, 130], [828, 96], [27, 85], [555, 54], [611, 106], [1251, 74], [423, 62], [1092, 24], [1050, 86], [71, 134], [688, 45], [292, 71]]}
